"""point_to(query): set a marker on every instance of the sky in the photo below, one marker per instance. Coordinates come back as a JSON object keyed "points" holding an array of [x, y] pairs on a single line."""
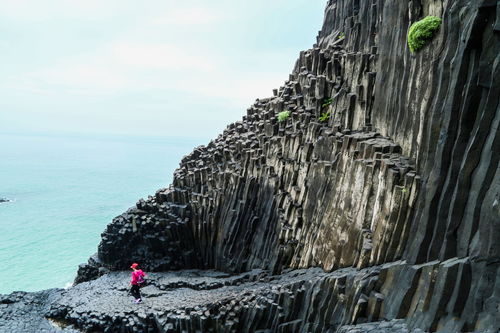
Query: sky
{"points": [[154, 67]]}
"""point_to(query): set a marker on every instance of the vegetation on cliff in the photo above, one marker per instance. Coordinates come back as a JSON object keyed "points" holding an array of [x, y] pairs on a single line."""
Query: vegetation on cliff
{"points": [[282, 116], [421, 32]]}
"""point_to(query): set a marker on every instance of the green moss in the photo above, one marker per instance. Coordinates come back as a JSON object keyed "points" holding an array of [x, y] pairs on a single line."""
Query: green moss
{"points": [[282, 116], [421, 32]]}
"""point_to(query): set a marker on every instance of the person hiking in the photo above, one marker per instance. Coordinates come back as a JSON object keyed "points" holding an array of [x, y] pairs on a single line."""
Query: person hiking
{"points": [[135, 282]]}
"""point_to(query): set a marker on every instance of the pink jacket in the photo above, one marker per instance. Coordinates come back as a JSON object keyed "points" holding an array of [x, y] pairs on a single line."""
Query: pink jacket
{"points": [[137, 276]]}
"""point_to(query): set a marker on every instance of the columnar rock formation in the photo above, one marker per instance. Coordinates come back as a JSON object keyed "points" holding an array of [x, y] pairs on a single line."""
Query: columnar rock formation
{"points": [[385, 177]]}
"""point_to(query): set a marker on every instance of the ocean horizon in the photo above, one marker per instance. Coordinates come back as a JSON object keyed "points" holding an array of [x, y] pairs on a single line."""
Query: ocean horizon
{"points": [[64, 190]]}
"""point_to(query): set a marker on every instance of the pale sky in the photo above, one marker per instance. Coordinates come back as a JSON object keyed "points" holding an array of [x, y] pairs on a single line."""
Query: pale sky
{"points": [[153, 67]]}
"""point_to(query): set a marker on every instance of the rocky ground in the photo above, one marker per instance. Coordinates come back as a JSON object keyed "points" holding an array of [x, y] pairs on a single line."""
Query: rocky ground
{"points": [[385, 177], [189, 301]]}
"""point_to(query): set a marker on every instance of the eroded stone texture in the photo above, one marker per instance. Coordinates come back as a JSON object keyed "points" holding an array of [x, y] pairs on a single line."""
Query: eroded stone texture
{"points": [[385, 177], [304, 300], [209, 301], [247, 214], [404, 168]]}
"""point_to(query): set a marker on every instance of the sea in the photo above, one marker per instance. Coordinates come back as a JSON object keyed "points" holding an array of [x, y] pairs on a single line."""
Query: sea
{"points": [[64, 190]]}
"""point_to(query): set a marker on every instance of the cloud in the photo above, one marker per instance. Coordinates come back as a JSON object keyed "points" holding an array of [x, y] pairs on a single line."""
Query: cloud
{"points": [[159, 71], [162, 62], [29, 10], [157, 56], [81, 79], [234, 88], [190, 16], [120, 66]]}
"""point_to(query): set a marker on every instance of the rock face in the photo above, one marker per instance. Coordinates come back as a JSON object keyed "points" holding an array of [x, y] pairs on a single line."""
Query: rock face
{"points": [[205, 301], [385, 178]]}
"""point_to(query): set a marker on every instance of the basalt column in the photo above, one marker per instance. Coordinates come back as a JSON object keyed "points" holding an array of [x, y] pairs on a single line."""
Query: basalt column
{"points": [[385, 165]]}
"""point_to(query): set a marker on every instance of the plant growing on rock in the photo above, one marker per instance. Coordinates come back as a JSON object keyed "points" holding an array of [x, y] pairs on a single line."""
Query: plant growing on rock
{"points": [[341, 35], [282, 116], [324, 116], [421, 32], [327, 102]]}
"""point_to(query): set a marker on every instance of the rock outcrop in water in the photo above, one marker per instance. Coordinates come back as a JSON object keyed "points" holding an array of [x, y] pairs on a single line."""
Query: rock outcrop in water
{"points": [[385, 178]]}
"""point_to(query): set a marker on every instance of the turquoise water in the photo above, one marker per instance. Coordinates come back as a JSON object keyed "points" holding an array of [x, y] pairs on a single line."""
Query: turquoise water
{"points": [[65, 190]]}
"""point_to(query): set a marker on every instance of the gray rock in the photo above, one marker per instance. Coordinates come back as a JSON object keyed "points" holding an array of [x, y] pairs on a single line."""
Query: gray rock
{"points": [[393, 197]]}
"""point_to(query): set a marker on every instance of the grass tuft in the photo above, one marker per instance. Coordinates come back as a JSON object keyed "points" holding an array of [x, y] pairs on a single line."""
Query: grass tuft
{"points": [[282, 116]]}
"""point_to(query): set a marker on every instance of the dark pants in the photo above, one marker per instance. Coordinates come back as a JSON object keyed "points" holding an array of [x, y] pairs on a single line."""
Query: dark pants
{"points": [[135, 291]]}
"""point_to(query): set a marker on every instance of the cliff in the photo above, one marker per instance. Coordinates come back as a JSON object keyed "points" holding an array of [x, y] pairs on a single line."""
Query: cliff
{"points": [[374, 206]]}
